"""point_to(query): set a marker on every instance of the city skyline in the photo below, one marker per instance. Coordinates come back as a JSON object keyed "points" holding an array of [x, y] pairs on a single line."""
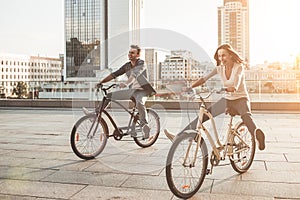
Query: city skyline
{"points": [[273, 30]]}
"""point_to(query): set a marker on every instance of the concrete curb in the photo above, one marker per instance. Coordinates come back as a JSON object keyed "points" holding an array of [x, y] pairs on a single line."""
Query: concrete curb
{"points": [[174, 105]]}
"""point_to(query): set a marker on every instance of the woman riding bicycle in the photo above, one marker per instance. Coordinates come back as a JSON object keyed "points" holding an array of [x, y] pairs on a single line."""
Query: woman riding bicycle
{"points": [[139, 87], [230, 67]]}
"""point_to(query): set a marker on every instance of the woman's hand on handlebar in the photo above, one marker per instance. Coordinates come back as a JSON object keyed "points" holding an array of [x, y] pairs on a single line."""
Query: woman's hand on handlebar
{"points": [[122, 85], [187, 89]]}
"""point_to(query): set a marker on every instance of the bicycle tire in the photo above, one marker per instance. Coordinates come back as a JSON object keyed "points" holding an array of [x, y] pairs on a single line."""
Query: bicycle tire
{"points": [[88, 147], [242, 157], [181, 184], [154, 125]]}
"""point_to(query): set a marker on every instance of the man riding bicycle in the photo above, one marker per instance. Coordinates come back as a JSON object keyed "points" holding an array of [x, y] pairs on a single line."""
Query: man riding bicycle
{"points": [[139, 87]]}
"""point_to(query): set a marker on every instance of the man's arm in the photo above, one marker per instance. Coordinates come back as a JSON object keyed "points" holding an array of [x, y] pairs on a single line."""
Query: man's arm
{"points": [[114, 75], [107, 79]]}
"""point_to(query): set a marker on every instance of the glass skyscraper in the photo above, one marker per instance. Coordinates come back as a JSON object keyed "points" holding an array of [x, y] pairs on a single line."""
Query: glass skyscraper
{"points": [[90, 29], [82, 36]]}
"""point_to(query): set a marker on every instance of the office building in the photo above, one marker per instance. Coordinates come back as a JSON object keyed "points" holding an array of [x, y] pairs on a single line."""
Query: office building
{"points": [[98, 34], [180, 65], [233, 26], [153, 59], [33, 71]]}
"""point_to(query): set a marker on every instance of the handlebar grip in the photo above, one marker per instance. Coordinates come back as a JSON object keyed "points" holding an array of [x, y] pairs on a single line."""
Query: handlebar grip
{"points": [[99, 85]]}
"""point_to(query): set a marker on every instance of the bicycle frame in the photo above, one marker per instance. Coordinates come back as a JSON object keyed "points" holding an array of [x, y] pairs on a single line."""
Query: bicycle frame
{"points": [[230, 132], [203, 111], [130, 112], [104, 111]]}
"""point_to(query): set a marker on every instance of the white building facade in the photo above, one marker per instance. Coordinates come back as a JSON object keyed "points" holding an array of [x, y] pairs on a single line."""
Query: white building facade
{"points": [[181, 66], [31, 70]]}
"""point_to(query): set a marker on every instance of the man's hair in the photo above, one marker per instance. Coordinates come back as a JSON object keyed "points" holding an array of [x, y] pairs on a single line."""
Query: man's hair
{"points": [[136, 47]]}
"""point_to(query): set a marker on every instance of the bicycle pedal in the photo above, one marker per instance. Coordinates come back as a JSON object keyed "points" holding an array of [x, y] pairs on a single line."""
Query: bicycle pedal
{"points": [[208, 171]]}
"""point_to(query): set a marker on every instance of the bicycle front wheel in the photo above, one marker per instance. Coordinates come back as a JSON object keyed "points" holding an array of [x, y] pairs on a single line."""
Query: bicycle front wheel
{"points": [[154, 125], [89, 137], [185, 173], [243, 149]]}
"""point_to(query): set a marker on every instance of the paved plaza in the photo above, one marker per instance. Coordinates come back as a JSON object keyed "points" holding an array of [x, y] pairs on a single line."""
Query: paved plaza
{"points": [[37, 162]]}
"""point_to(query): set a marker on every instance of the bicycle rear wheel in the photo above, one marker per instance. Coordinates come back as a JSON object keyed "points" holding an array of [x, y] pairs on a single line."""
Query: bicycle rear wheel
{"points": [[154, 125], [185, 179], [243, 149], [88, 138]]}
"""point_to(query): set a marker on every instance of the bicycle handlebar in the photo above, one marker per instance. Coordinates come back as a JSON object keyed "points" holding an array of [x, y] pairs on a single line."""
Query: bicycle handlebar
{"points": [[219, 91], [105, 89]]}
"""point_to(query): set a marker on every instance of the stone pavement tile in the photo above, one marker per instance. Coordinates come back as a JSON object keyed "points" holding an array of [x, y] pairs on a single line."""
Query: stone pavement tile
{"points": [[282, 150], [87, 178], [258, 165], [252, 188], [206, 196], [224, 173], [79, 165], [126, 168], [112, 158], [19, 173], [105, 193], [282, 166], [265, 156], [8, 161], [273, 176], [146, 182], [49, 164], [15, 197], [4, 152], [38, 154], [106, 168], [145, 160], [293, 157], [39, 189], [20, 147]]}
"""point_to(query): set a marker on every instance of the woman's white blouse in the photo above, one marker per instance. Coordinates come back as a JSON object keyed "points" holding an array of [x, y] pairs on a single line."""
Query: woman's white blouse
{"points": [[236, 80]]}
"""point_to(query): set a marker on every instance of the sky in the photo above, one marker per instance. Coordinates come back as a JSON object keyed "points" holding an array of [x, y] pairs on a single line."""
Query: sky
{"points": [[36, 27]]}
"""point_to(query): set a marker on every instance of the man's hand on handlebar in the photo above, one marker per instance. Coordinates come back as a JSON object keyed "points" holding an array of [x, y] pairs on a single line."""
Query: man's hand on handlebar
{"points": [[99, 85]]}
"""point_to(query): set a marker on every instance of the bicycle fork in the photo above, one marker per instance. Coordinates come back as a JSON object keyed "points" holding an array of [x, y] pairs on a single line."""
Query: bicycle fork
{"points": [[92, 132], [192, 164]]}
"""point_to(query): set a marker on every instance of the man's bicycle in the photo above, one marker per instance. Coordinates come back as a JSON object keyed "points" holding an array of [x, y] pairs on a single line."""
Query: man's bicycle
{"points": [[188, 157], [90, 133]]}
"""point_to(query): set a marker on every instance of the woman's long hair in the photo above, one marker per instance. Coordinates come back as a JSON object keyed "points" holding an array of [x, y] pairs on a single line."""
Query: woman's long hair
{"points": [[235, 56]]}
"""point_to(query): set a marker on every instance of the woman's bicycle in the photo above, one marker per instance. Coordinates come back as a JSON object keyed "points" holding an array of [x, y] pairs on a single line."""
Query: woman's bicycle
{"points": [[187, 161], [90, 133]]}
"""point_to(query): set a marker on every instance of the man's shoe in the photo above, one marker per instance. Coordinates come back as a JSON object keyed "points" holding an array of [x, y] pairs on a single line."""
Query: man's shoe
{"points": [[133, 134], [169, 135], [85, 111], [260, 136], [146, 131]]}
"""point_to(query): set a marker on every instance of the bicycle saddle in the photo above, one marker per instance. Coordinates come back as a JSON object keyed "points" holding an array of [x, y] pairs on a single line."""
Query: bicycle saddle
{"points": [[231, 111]]}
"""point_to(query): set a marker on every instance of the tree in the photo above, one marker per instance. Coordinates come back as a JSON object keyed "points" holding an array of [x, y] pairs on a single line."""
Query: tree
{"points": [[20, 90]]}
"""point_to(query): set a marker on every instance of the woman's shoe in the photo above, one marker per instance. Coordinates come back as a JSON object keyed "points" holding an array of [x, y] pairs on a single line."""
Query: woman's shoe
{"points": [[260, 136]]}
